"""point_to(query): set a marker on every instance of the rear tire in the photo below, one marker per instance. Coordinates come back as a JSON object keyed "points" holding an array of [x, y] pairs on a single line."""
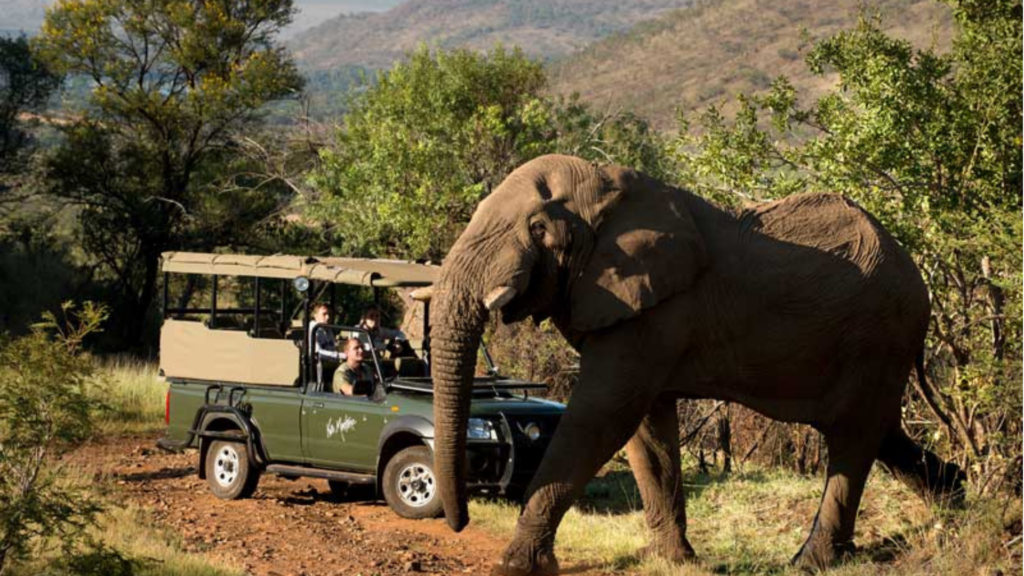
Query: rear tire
{"points": [[228, 471], [410, 484]]}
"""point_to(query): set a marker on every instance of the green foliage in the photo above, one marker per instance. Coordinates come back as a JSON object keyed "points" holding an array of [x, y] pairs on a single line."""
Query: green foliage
{"points": [[931, 145], [25, 86], [423, 145], [44, 268], [45, 411], [173, 84]]}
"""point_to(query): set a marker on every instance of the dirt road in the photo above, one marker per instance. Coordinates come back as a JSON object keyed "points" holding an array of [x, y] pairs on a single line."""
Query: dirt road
{"points": [[288, 527]]}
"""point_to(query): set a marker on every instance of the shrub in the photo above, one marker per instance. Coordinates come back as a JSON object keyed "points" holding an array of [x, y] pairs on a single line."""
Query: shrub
{"points": [[45, 411]]}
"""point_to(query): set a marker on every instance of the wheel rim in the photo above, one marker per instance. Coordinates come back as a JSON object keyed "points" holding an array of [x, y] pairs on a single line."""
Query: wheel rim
{"points": [[416, 485], [225, 466]]}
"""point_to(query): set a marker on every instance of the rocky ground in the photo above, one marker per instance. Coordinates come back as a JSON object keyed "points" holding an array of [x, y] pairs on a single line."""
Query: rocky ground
{"points": [[289, 527]]}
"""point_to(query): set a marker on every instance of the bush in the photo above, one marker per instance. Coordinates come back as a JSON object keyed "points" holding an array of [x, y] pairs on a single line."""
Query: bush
{"points": [[45, 411]]}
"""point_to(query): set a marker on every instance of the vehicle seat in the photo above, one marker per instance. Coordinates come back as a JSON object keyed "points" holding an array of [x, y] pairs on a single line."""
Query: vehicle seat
{"points": [[411, 367]]}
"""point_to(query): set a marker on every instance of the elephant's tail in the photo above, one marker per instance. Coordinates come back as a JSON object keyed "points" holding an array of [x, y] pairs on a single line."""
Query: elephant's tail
{"points": [[925, 473], [920, 469]]}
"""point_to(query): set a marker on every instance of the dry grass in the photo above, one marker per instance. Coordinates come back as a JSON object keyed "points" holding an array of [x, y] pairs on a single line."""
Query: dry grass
{"points": [[134, 395], [130, 531], [752, 522]]}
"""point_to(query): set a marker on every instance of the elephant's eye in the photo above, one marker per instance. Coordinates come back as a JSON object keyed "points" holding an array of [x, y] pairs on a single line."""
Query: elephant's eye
{"points": [[537, 230]]}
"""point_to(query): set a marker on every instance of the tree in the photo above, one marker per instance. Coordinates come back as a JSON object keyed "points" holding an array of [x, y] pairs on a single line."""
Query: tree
{"points": [[424, 144], [931, 145], [420, 148], [172, 84], [25, 86]]}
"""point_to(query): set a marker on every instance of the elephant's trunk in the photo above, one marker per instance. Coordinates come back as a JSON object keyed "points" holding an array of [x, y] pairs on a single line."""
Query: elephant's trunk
{"points": [[455, 339]]}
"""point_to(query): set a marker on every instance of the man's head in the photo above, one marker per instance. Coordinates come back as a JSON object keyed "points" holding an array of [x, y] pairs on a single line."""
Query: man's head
{"points": [[354, 352], [371, 317], [321, 314]]}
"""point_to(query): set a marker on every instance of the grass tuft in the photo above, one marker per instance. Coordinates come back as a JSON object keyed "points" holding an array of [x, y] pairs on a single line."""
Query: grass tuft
{"points": [[133, 392]]}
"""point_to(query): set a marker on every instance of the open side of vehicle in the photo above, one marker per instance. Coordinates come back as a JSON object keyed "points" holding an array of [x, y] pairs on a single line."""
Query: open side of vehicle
{"points": [[249, 391]]}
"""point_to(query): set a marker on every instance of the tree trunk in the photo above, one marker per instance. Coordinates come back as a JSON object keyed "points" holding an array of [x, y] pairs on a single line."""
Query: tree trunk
{"points": [[725, 440]]}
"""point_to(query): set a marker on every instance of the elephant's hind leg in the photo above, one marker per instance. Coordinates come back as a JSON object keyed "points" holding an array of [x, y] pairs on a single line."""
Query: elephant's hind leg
{"points": [[849, 461], [924, 472], [654, 457]]}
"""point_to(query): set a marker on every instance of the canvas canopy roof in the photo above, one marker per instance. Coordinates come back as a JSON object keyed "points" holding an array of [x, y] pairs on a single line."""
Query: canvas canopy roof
{"points": [[357, 271]]}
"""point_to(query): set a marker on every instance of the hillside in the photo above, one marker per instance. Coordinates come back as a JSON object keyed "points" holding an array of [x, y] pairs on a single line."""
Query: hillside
{"points": [[543, 28], [693, 57]]}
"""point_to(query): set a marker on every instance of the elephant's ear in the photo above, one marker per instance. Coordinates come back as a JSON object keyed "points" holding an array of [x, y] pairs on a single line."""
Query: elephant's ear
{"points": [[646, 248]]}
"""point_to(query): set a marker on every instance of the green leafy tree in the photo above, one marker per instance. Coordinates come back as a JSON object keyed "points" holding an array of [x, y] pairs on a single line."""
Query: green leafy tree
{"points": [[46, 410], [433, 135], [420, 148], [930, 144], [25, 86], [173, 83]]}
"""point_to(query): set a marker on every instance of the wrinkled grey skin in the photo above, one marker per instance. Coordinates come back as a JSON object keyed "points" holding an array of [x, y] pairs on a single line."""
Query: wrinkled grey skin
{"points": [[805, 310]]}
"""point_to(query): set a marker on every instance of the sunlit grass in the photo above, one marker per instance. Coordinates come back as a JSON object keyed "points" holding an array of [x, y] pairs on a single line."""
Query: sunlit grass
{"points": [[754, 521], [133, 394]]}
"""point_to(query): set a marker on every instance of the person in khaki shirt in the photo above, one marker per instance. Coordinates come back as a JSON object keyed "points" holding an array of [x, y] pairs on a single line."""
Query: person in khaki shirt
{"points": [[355, 376]]}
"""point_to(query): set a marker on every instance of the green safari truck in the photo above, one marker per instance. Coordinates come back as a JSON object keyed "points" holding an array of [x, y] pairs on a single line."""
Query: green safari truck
{"points": [[249, 389]]}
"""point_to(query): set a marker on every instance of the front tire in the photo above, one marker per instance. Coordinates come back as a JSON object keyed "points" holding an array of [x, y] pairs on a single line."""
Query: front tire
{"points": [[410, 484], [228, 471]]}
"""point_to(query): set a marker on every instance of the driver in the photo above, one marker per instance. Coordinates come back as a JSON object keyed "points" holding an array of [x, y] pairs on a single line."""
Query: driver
{"points": [[354, 377], [378, 334]]}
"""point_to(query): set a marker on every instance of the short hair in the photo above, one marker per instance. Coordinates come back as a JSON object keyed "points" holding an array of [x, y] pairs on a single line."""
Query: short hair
{"points": [[350, 341], [317, 307]]}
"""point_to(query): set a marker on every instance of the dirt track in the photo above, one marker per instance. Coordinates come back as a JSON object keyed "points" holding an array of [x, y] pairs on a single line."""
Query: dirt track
{"points": [[288, 527]]}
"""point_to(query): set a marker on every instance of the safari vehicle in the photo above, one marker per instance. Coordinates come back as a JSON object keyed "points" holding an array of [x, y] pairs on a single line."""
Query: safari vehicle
{"points": [[247, 391]]}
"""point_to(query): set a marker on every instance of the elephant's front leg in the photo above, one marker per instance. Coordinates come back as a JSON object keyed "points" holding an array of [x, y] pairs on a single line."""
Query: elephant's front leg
{"points": [[654, 457], [617, 385]]}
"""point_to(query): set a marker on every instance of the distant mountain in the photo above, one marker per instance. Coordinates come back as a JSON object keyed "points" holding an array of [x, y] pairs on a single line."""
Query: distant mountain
{"points": [[709, 53], [545, 29]]}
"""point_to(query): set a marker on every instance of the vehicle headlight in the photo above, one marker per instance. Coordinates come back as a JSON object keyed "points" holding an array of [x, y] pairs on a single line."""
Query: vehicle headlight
{"points": [[532, 431], [480, 429]]}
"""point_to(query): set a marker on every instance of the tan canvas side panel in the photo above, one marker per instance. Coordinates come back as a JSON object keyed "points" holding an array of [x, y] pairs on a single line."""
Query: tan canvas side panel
{"points": [[189, 349]]}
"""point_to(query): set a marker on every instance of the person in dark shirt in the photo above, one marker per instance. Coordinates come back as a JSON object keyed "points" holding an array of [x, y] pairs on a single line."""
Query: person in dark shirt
{"points": [[355, 376], [325, 350], [379, 334]]}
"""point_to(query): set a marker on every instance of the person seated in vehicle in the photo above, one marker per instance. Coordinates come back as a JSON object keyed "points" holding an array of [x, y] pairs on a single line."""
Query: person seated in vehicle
{"points": [[321, 341], [356, 376], [382, 336]]}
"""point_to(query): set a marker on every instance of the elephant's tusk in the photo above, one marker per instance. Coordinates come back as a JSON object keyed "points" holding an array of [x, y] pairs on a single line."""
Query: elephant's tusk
{"points": [[499, 297], [422, 294]]}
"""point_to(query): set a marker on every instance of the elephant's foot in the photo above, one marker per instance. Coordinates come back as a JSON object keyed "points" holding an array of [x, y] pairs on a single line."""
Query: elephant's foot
{"points": [[676, 552], [820, 552], [526, 560]]}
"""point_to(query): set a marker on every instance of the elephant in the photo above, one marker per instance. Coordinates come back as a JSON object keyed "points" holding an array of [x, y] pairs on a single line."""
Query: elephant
{"points": [[803, 309]]}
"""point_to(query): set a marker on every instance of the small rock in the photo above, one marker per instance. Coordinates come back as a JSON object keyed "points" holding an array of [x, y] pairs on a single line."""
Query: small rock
{"points": [[412, 566]]}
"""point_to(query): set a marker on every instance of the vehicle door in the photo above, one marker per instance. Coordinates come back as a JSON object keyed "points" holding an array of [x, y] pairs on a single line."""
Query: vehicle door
{"points": [[276, 413], [341, 431]]}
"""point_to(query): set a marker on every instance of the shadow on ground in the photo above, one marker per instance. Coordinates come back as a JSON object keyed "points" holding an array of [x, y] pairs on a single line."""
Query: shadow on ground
{"points": [[616, 492]]}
